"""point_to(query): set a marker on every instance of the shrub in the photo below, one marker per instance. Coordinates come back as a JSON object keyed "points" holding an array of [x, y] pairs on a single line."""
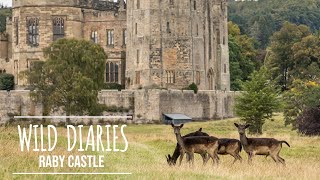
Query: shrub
{"points": [[308, 122], [192, 87], [6, 82]]}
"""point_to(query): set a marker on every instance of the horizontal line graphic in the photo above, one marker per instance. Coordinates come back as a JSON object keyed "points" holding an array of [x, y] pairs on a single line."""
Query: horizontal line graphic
{"points": [[72, 117], [69, 173]]}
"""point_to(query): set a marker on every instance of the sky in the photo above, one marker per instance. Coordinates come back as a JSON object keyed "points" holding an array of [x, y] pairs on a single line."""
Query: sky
{"points": [[6, 2]]}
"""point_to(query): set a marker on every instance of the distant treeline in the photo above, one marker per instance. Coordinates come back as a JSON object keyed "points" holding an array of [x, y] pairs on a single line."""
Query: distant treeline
{"points": [[260, 19]]}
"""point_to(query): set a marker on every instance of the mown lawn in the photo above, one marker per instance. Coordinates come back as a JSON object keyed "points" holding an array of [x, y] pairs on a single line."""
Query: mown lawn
{"points": [[148, 145]]}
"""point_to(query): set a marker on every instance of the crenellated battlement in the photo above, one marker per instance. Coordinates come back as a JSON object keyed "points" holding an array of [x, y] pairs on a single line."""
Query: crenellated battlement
{"points": [[103, 5]]}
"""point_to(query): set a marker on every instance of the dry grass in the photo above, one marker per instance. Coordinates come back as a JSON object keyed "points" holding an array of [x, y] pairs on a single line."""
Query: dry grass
{"points": [[148, 145]]}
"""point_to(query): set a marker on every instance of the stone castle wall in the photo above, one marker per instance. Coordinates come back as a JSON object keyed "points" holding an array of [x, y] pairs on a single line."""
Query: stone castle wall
{"points": [[147, 106]]}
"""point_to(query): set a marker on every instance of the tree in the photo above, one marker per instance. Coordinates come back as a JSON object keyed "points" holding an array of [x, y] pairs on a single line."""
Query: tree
{"points": [[6, 82], [258, 101], [281, 59], [70, 78], [262, 18], [242, 56], [302, 97], [306, 57]]}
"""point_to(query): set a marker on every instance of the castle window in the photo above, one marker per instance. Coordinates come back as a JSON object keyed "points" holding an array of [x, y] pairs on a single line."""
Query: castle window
{"points": [[194, 5], [218, 37], [58, 28], [138, 56], [225, 68], [124, 36], [94, 36], [136, 28], [110, 37], [224, 40], [170, 77], [138, 4], [137, 77], [198, 78], [197, 30], [16, 24], [33, 31], [112, 72], [168, 27]]}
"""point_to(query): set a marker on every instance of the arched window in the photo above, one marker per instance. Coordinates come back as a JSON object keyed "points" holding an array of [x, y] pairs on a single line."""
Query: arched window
{"points": [[33, 31], [58, 28]]}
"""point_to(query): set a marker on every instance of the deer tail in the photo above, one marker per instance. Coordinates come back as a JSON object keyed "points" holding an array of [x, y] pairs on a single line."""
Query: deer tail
{"points": [[285, 143]]}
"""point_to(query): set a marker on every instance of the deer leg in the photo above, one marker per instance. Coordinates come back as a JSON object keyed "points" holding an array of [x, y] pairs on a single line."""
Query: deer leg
{"points": [[205, 158], [181, 157], [191, 158], [282, 161], [216, 157], [235, 157], [250, 156], [239, 157], [275, 158]]}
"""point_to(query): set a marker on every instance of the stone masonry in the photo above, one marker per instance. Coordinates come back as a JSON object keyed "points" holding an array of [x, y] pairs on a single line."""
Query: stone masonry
{"points": [[149, 43], [146, 106]]}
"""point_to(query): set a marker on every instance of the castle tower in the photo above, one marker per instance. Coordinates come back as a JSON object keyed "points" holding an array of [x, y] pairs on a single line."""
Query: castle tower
{"points": [[37, 23], [174, 43]]}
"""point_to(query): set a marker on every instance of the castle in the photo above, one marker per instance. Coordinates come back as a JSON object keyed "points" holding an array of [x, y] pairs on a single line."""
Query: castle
{"points": [[149, 43]]}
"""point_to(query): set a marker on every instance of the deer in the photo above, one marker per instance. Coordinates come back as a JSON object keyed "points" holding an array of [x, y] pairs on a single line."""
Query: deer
{"points": [[226, 146], [178, 152], [200, 144], [260, 146]]}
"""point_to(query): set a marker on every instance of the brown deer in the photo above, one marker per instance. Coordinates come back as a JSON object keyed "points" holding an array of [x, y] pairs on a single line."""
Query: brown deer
{"points": [[199, 144], [226, 146], [260, 146], [172, 160]]}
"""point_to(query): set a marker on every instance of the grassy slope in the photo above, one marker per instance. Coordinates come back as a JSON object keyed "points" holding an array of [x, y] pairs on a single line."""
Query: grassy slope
{"points": [[148, 144]]}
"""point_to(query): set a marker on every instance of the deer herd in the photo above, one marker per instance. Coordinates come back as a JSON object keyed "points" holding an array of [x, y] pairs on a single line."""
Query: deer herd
{"points": [[210, 147]]}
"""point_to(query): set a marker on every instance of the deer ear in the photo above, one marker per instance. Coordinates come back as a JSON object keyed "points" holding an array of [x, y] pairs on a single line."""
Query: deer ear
{"points": [[248, 125], [181, 125], [169, 157], [172, 124], [237, 125], [200, 129]]}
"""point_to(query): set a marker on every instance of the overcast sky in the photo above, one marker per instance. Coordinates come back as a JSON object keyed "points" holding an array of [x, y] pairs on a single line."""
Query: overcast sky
{"points": [[6, 2]]}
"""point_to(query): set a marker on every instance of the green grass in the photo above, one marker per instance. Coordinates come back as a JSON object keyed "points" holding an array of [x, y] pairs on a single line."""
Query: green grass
{"points": [[148, 145]]}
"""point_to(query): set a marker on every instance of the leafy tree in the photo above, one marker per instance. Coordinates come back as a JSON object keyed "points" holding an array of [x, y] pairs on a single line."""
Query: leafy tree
{"points": [[281, 59], [70, 78], [303, 96], [242, 56], [4, 13], [260, 19], [258, 101], [6, 82], [306, 57]]}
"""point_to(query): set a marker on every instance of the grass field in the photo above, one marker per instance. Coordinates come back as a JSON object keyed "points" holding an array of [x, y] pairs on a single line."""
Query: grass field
{"points": [[148, 145]]}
